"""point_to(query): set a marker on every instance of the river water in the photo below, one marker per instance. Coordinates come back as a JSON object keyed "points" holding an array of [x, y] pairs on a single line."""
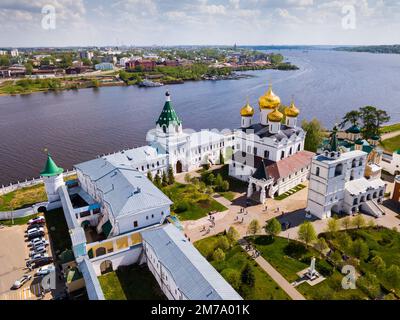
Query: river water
{"points": [[79, 125]]}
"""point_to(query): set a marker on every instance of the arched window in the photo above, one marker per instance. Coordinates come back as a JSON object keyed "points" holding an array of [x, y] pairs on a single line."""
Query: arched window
{"points": [[317, 171], [299, 147], [354, 163], [164, 128], [290, 151], [339, 170]]}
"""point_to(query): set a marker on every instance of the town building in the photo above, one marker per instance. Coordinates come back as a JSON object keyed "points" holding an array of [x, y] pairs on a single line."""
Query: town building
{"points": [[105, 66], [391, 163], [14, 53], [396, 190], [144, 65], [269, 154], [338, 185], [86, 55]]}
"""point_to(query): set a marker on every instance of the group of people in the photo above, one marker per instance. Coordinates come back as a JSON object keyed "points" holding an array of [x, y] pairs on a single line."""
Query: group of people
{"points": [[255, 253]]}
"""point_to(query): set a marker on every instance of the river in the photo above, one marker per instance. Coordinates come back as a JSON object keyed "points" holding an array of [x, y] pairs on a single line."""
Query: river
{"points": [[79, 125]]}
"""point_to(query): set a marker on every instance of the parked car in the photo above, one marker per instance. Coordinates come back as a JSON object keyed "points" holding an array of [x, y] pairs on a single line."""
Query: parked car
{"points": [[34, 229], [20, 282], [37, 234], [39, 241], [33, 264], [43, 271], [36, 250], [38, 220], [38, 256]]}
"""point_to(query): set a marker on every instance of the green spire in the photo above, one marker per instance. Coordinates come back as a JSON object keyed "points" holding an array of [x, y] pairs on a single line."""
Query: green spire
{"points": [[168, 114], [51, 169]]}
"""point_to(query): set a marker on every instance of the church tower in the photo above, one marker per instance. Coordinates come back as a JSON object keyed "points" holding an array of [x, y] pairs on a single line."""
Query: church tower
{"points": [[268, 103], [247, 113], [168, 123], [53, 179], [291, 114]]}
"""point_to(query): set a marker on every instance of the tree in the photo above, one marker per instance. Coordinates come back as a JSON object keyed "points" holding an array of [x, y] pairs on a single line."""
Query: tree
{"points": [[353, 117], [359, 249], [233, 277], [233, 235], [369, 284], [4, 61], [321, 245], [171, 177], [223, 243], [307, 233], [346, 223], [372, 119], [149, 176], [164, 179], [254, 227], [157, 180], [378, 263], [187, 178], [221, 158], [314, 135], [333, 225], [392, 276], [248, 276], [358, 221], [343, 240], [29, 68], [218, 255], [273, 227]]}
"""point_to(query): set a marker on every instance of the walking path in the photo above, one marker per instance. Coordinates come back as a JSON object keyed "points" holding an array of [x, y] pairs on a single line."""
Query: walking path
{"points": [[390, 135], [277, 277]]}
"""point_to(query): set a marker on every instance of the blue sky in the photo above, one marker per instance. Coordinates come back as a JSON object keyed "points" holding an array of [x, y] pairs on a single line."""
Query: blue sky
{"points": [[200, 22]]}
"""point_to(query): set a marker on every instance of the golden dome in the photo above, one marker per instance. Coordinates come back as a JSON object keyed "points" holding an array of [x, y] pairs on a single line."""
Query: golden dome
{"points": [[247, 111], [270, 100], [275, 116], [292, 111]]}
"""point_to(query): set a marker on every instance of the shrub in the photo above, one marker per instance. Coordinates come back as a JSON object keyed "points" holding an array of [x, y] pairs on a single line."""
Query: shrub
{"points": [[247, 276], [182, 206], [324, 268], [369, 284], [233, 235], [218, 255], [223, 243], [233, 277], [295, 250]]}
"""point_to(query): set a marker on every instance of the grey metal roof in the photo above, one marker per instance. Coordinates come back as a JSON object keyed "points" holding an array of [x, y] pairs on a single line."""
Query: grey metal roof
{"points": [[263, 131], [93, 287], [192, 273], [126, 190]]}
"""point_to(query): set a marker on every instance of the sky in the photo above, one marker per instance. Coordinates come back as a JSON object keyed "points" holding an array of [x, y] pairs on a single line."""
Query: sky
{"points": [[51, 23]]}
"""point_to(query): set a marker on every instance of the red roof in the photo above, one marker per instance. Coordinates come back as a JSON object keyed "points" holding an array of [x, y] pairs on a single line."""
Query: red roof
{"points": [[284, 168]]}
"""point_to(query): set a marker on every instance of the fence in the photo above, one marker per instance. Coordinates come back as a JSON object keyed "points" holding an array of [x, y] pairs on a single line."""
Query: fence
{"points": [[28, 183]]}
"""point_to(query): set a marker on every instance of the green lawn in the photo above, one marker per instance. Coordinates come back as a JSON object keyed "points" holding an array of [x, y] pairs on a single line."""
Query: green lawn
{"points": [[381, 242], [58, 231], [235, 260], [290, 257], [190, 203], [390, 128], [23, 198], [290, 192], [130, 283], [230, 196], [18, 221], [392, 144]]}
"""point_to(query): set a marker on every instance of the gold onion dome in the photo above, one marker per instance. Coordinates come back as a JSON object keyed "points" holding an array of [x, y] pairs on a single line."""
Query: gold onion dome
{"points": [[270, 100], [292, 111], [275, 116], [247, 111]]}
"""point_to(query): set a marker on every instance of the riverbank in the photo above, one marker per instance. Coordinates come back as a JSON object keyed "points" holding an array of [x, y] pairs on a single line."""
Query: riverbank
{"points": [[164, 75]]}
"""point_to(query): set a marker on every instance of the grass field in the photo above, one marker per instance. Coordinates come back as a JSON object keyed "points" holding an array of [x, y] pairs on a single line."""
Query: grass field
{"points": [[18, 221], [290, 257], [130, 283], [390, 128], [190, 203], [235, 260], [25, 197], [290, 192], [392, 144]]}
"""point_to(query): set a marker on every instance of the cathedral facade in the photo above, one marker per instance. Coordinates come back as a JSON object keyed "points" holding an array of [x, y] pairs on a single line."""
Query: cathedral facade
{"points": [[270, 154]]}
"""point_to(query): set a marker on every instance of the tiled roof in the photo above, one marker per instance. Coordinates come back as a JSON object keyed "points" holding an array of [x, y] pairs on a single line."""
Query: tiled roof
{"points": [[290, 165]]}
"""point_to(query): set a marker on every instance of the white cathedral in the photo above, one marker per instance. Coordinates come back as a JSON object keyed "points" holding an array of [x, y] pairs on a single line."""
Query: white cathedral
{"points": [[270, 155]]}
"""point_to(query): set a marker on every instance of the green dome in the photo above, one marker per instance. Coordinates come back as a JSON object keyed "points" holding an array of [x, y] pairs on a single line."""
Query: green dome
{"points": [[376, 138], [354, 129], [398, 151], [51, 169], [359, 142]]}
